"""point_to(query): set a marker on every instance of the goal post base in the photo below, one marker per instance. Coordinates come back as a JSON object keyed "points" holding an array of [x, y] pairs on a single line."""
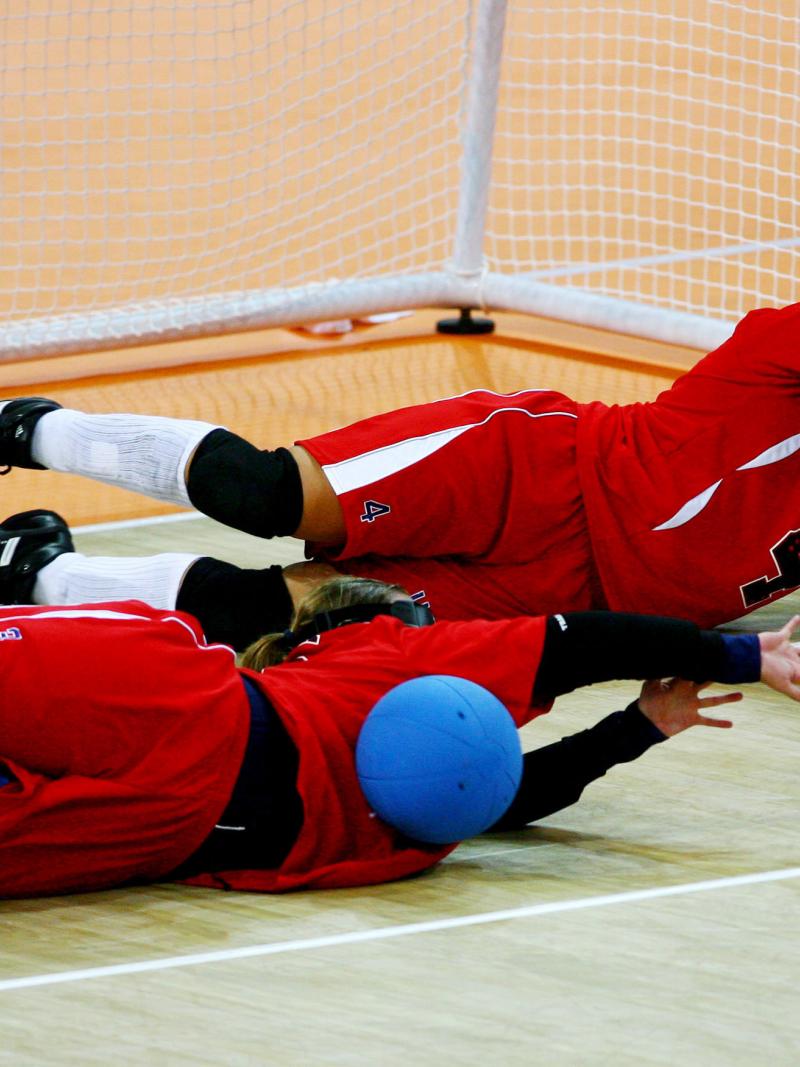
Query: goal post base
{"points": [[465, 324]]}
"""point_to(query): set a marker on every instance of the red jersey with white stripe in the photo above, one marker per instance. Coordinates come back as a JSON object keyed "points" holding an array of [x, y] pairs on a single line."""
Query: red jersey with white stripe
{"points": [[489, 506], [483, 479], [693, 501], [123, 734]]}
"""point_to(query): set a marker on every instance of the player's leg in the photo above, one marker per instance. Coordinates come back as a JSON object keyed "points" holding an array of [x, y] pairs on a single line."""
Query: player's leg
{"points": [[482, 476], [267, 493], [478, 475], [263, 492], [39, 565], [235, 606]]}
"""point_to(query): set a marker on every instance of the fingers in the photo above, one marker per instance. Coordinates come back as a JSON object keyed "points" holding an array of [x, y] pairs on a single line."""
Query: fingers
{"points": [[720, 698], [710, 701], [720, 724], [782, 683], [687, 690]]}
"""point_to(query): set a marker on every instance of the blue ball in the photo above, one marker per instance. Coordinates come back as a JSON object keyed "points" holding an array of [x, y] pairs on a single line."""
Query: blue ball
{"points": [[439, 758]]}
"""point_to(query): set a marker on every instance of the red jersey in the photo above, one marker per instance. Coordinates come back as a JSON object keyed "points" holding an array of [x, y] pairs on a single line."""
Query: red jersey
{"points": [[123, 734], [323, 693], [693, 500]]}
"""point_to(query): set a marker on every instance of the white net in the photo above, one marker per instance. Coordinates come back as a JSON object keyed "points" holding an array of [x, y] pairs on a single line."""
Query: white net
{"points": [[650, 151], [173, 167], [157, 152]]}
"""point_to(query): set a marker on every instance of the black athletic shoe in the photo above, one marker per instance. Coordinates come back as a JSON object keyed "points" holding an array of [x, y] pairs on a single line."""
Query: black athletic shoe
{"points": [[28, 541], [17, 421]]}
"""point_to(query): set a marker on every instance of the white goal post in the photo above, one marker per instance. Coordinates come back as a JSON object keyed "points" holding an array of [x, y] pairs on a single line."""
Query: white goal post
{"points": [[177, 168]]}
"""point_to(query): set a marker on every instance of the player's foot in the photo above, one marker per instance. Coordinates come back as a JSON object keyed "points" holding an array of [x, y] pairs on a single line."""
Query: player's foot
{"points": [[29, 541], [18, 419]]}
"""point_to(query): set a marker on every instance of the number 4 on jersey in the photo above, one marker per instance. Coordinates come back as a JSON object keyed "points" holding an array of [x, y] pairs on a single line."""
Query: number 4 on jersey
{"points": [[373, 510]]}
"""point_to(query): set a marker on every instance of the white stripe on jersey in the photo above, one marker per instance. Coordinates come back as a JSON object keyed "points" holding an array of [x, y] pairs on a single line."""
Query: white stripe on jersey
{"points": [[782, 450], [773, 454], [76, 613], [490, 392], [201, 644], [690, 508], [369, 467], [108, 614]]}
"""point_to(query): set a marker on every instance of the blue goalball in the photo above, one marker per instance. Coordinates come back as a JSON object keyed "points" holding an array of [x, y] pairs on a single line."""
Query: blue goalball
{"points": [[439, 758]]}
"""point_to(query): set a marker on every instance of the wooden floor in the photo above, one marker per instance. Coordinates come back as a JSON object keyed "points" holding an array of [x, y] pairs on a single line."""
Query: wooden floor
{"points": [[656, 922]]}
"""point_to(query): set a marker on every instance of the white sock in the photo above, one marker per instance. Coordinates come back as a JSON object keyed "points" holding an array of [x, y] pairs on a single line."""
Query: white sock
{"points": [[73, 578], [145, 453]]}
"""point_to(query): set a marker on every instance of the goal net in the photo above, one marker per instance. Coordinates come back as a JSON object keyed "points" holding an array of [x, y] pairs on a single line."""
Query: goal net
{"points": [[172, 168], [648, 152]]}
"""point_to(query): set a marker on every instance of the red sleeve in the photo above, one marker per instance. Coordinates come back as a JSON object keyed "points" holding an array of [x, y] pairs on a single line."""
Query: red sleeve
{"points": [[503, 656]]}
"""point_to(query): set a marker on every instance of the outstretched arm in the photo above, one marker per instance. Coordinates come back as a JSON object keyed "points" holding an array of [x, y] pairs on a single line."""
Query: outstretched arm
{"points": [[555, 776], [595, 646]]}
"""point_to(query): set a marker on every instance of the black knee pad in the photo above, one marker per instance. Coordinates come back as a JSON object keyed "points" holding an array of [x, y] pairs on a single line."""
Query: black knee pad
{"points": [[232, 481], [233, 605]]}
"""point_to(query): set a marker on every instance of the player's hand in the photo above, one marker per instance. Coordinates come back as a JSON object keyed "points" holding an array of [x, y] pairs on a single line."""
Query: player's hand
{"points": [[780, 659], [674, 705]]}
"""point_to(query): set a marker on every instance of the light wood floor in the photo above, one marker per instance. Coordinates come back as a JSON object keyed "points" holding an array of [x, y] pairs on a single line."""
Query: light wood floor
{"points": [[656, 922]]}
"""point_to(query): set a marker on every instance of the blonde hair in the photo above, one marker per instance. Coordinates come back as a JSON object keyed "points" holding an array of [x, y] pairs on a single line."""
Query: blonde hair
{"points": [[343, 591]]}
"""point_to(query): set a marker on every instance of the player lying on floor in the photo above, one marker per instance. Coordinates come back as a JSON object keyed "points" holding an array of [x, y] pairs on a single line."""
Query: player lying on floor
{"points": [[131, 751], [491, 506]]}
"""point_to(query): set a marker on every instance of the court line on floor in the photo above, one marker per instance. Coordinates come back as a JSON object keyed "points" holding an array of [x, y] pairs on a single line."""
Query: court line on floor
{"points": [[481, 854], [129, 524], [383, 933]]}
